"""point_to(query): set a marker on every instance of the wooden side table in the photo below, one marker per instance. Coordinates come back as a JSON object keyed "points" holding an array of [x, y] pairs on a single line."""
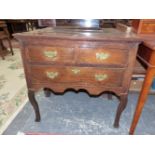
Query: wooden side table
{"points": [[94, 60], [147, 55]]}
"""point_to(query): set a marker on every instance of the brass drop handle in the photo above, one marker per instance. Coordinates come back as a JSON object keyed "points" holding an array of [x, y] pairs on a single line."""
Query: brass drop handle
{"points": [[75, 70], [102, 56], [52, 75], [50, 54], [101, 77]]}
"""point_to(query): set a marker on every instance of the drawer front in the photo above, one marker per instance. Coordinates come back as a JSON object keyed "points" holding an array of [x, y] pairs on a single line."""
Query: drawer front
{"points": [[101, 56], [148, 28], [79, 75], [50, 54]]}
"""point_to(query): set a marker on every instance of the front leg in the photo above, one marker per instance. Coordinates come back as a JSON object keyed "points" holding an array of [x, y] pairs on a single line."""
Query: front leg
{"points": [[47, 92], [121, 107], [10, 47], [142, 98], [31, 95]]}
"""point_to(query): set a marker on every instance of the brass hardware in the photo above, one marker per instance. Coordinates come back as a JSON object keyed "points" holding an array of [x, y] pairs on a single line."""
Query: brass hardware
{"points": [[52, 75], [75, 70], [101, 77], [102, 56], [50, 54]]}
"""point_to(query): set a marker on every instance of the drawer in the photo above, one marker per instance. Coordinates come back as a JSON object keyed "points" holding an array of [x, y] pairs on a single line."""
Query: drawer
{"points": [[148, 28], [101, 56], [79, 75], [50, 54]]}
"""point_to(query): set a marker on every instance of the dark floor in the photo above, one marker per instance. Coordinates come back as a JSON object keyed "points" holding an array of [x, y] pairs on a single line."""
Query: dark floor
{"points": [[78, 113]]}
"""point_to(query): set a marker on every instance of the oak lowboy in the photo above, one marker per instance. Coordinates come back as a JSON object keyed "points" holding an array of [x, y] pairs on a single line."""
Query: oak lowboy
{"points": [[97, 61]]}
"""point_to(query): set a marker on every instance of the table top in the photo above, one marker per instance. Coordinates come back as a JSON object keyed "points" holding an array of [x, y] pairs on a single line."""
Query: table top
{"points": [[81, 34]]}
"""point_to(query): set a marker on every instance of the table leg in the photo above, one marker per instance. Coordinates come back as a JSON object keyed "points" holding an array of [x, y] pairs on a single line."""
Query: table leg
{"points": [[47, 92], [121, 107], [10, 47], [109, 96], [31, 95], [142, 98]]}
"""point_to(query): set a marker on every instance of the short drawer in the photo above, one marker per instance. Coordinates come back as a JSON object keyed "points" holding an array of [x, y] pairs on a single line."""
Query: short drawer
{"points": [[101, 56], [79, 75], [50, 54]]}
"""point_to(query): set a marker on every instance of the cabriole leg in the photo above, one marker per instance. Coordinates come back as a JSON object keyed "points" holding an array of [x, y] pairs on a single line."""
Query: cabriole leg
{"points": [[31, 95], [121, 107], [47, 92]]}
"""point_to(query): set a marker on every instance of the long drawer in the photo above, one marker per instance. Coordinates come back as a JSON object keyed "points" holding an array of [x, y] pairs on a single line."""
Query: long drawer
{"points": [[84, 75]]}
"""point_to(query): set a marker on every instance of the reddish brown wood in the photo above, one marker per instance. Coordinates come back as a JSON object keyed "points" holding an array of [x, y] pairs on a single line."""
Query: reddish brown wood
{"points": [[36, 54], [147, 55], [116, 56], [144, 26], [76, 50], [142, 98], [86, 75]]}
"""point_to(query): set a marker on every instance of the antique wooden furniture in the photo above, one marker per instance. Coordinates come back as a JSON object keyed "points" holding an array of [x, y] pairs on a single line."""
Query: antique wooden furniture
{"points": [[21, 25], [147, 55], [144, 26], [93, 60], [4, 35]]}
